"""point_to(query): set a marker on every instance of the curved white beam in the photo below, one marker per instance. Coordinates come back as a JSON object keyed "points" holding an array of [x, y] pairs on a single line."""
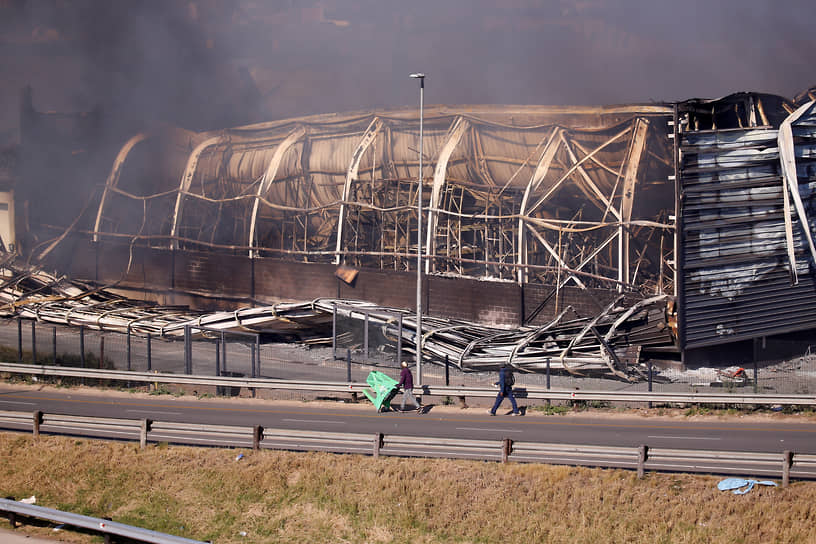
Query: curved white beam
{"points": [[577, 166], [787, 158], [633, 155], [113, 177], [351, 174], [268, 178], [186, 180], [455, 133], [538, 176]]}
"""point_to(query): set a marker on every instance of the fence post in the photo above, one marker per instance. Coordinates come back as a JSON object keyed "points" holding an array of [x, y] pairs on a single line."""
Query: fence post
{"points": [[258, 351], [548, 379], [188, 351], [643, 452], [252, 364], [378, 442], [128, 348], [756, 377], [257, 436], [35, 429], [252, 361], [82, 350], [223, 352], [149, 357], [447, 371], [82, 346], [651, 373], [218, 388], [334, 331], [399, 342], [55, 346], [787, 462], [548, 372], [217, 357], [20, 340], [101, 350], [34, 342], [365, 337], [145, 427], [507, 447], [348, 365]]}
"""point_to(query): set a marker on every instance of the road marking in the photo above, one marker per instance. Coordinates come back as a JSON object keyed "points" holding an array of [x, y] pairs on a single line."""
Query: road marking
{"points": [[686, 437], [800, 428], [16, 402], [485, 429], [314, 421], [156, 412]]}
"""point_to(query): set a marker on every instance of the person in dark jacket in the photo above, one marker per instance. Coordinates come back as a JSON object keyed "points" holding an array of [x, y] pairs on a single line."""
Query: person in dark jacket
{"points": [[406, 382], [505, 390]]}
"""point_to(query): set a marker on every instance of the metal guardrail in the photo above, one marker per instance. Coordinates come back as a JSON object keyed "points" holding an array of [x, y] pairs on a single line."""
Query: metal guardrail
{"points": [[285, 439], [99, 525], [193, 433], [537, 393], [108, 427], [784, 464]]}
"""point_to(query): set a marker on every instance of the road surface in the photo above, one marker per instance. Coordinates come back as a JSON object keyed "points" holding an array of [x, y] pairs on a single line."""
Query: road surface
{"points": [[748, 434]]}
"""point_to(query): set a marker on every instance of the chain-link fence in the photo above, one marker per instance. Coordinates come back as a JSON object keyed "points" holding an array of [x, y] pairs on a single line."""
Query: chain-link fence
{"points": [[362, 341], [373, 338], [216, 354]]}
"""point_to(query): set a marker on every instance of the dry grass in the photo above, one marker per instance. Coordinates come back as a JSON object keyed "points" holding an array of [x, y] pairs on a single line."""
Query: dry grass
{"points": [[206, 494]]}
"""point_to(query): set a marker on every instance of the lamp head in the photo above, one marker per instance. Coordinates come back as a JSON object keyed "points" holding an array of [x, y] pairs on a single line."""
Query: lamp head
{"points": [[418, 76]]}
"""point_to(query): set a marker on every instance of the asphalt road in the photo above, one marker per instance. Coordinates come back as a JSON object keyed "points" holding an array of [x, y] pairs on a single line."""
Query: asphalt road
{"points": [[750, 433]]}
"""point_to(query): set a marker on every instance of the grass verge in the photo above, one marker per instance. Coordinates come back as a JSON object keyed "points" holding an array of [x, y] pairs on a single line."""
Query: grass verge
{"points": [[271, 496]]}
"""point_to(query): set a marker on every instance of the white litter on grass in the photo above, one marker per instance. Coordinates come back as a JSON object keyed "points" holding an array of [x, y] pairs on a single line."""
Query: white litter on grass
{"points": [[736, 484], [31, 500]]}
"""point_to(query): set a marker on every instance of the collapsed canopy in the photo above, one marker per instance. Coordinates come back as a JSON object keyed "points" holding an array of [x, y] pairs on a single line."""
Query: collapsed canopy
{"points": [[522, 193]]}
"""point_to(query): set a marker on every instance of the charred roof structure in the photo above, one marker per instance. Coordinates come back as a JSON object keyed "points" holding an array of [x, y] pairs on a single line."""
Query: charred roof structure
{"points": [[703, 208], [515, 193]]}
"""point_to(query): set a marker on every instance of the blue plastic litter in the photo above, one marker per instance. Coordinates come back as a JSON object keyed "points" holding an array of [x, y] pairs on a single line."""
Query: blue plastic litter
{"points": [[738, 483]]}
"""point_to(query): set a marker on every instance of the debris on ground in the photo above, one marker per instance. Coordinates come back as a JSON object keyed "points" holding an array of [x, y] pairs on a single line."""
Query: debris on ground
{"points": [[741, 486]]}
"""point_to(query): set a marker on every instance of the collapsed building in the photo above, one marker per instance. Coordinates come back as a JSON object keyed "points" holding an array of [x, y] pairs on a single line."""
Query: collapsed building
{"points": [[688, 221]]}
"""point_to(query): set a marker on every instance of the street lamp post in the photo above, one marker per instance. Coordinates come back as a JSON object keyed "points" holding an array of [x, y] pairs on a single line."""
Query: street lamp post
{"points": [[421, 78]]}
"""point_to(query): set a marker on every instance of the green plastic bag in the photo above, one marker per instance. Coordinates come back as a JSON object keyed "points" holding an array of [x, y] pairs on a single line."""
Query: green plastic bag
{"points": [[383, 389]]}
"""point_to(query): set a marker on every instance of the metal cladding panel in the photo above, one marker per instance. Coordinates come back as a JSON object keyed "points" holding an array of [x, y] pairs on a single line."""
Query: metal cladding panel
{"points": [[736, 274]]}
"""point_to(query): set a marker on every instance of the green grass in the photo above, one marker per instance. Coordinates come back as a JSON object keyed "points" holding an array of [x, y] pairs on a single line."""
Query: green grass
{"points": [[551, 409]]}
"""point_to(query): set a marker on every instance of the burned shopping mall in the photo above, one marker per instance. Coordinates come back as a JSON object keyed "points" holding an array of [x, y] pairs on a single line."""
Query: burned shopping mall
{"points": [[583, 235]]}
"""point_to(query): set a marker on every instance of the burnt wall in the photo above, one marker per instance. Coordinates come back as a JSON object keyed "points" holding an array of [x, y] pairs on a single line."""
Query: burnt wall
{"points": [[207, 280]]}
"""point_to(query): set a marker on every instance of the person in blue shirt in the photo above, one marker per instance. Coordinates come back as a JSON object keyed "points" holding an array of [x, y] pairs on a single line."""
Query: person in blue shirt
{"points": [[407, 384], [505, 385]]}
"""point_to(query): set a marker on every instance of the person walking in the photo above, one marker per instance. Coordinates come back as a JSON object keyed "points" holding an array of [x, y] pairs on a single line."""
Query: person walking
{"points": [[406, 382], [505, 384]]}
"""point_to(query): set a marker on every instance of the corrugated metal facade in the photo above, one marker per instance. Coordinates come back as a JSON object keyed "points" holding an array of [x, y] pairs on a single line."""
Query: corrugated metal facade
{"points": [[736, 273]]}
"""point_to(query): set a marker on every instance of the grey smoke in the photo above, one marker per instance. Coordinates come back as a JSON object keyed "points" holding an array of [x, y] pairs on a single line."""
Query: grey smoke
{"points": [[207, 64]]}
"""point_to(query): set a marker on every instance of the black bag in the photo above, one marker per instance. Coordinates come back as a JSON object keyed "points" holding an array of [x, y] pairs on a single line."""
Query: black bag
{"points": [[509, 379]]}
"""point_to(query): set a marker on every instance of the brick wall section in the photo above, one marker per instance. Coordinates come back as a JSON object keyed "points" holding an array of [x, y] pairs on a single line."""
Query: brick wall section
{"points": [[181, 277], [395, 289], [202, 272], [489, 302], [276, 280]]}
